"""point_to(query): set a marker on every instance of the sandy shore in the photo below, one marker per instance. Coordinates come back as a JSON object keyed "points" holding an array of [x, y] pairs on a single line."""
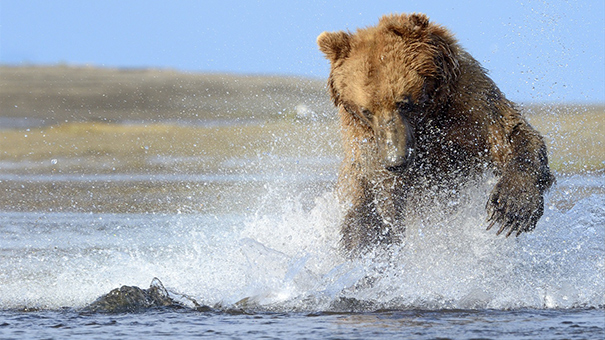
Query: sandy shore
{"points": [[35, 95]]}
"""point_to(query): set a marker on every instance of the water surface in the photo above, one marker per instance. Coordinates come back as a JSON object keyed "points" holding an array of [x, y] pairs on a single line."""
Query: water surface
{"points": [[262, 250]]}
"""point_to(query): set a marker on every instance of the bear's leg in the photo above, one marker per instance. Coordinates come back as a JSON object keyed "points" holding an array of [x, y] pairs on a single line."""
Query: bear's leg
{"points": [[370, 222], [517, 201], [359, 227], [389, 208]]}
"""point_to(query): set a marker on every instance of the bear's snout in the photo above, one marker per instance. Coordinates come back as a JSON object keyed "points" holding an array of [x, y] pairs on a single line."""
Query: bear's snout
{"points": [[395, 141]]}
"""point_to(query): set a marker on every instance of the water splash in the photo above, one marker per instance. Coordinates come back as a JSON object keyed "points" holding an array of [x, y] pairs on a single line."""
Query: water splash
{"points": [[444, 262], [286, 257]]}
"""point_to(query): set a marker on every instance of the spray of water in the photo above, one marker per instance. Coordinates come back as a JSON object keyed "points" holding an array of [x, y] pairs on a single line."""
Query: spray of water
{"points": [[286, 257], [446, 261]]}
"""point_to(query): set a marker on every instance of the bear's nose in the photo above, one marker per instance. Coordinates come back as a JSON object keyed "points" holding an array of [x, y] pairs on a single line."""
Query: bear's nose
{"points": [[394, 159], [396, 162]]}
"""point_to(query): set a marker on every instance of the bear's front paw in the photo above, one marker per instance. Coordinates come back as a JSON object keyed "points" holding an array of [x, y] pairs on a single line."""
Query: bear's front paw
{"points": [[515, 205]]}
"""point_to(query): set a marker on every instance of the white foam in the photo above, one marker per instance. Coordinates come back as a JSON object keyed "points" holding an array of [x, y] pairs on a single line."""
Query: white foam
{"points": [[286, 257], [290, 260]]}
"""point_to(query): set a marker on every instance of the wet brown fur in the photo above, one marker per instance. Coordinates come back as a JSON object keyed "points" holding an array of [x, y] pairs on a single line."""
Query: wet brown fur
{"points": [[414, 73]]}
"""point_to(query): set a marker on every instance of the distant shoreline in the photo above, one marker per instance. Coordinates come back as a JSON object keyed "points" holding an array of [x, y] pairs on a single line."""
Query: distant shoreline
{"points": [[147, 104], [48, 95], [38, 95]]}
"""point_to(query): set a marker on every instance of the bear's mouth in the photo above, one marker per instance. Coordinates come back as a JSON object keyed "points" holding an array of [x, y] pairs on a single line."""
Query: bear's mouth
{"points": [[394, 160], [398, 163]]}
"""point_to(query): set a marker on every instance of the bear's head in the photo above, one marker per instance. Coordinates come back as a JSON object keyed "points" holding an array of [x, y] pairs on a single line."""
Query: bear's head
{"points": [[390, 77]]}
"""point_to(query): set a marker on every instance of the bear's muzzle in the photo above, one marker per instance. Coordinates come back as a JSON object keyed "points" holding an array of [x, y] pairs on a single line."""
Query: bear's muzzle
{"points": [[395, 141]]}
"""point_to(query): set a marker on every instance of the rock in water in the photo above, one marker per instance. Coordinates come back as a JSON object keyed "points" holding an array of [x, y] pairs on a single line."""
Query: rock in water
{"points": [[134, 299]]}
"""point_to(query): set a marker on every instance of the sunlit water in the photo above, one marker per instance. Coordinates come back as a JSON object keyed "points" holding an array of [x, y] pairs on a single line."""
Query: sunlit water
{"points": [[277, 250]]}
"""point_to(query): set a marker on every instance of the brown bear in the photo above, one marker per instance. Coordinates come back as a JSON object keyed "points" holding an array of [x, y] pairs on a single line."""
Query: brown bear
{"points": [[419, 115]]}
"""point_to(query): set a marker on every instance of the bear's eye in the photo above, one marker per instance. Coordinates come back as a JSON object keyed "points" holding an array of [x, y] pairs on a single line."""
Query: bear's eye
{"points": [[406, 105], [366, 113]]}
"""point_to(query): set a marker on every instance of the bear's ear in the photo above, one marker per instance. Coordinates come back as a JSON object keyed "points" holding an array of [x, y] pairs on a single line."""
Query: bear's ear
{"points": [[335, 45], [405, 25], [418, 21]]}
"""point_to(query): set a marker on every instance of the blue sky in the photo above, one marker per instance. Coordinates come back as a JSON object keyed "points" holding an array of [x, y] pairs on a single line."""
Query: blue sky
{"points": [[536, 51]]}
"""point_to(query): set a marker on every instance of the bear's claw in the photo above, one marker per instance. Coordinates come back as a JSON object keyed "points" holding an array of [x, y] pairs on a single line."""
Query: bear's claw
{"points": [[515, 206]]}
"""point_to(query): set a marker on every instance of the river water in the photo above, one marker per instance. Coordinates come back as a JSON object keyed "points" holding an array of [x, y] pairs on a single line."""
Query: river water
{"points": [[262, 251]]}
